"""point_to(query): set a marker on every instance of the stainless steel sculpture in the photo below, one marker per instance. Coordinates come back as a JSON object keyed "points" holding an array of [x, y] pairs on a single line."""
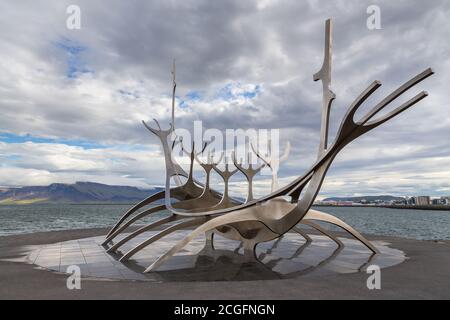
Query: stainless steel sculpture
{"points": [[267, 218]]}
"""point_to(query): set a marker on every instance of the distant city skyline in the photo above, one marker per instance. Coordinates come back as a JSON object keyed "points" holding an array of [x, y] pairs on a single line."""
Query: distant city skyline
{"points": [[72, 100]]}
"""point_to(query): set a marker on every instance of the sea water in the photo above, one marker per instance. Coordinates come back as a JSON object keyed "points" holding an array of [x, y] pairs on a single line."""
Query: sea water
{"points": [[415, 224]]}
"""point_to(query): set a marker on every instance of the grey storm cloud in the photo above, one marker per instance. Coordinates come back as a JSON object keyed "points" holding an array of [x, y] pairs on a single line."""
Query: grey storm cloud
{"points": [[120, 73]]}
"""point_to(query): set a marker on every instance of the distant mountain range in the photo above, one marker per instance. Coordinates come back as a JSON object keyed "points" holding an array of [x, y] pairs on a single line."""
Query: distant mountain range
{"points": [[90, 192], [366, 198], [80, 192]]}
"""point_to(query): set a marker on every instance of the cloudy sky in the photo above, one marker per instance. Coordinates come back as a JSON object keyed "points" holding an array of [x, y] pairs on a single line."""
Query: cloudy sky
{"points": [[71, 101]]}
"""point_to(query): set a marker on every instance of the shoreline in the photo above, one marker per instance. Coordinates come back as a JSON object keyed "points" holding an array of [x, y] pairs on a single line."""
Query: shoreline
{"points": [[70, 204], [425, 208], [410, 207]]}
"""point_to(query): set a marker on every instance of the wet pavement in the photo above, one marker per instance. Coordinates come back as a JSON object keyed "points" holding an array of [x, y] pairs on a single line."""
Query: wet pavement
{"points": [[424, 274], [288, 257]]}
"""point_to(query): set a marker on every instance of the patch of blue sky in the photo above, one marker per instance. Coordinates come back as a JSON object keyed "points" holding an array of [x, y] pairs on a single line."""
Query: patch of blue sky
{"points": [[70, 46], [234, 90], [194, 95], [183, 103], [226, 93], [189, 97], [75, 64], [14, 138], [12, 157], [252, 93], [230, 91]]}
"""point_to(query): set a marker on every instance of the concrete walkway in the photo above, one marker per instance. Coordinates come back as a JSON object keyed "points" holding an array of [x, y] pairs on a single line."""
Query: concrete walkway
{"points": [[425, 275]]}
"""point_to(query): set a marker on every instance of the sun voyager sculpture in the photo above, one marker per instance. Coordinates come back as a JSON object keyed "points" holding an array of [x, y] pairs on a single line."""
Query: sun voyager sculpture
{"points": [[203, 210]]}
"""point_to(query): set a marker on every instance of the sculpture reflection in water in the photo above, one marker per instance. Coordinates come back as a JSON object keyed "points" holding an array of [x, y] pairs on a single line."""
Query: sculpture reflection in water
{"points": [[254, 221], [286, 257]]}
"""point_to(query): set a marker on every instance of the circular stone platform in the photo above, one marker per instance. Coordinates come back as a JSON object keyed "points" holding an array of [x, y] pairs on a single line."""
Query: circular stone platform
{"points": [[288, 257]]}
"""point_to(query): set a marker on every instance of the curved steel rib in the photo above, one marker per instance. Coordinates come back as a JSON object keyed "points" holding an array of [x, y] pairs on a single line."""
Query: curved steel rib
{"points": [[132, 220], [302, 233], [143, 229], [154, 197], [322, 216], [322, 231], [207, 226], [187, 191], [170, 229]]}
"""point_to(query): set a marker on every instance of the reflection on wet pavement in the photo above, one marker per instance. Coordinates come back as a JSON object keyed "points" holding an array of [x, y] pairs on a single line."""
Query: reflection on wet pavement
{"points": [[287, 257]]}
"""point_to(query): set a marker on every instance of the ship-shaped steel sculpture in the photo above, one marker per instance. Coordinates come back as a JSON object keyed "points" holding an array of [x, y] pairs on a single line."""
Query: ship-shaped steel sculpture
{"points": [[203, 210]]}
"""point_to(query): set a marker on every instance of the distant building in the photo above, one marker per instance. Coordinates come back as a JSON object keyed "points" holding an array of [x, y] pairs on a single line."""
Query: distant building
{"points": [[325, 203], [423, 200], [345, 203], [445, 201], [436, 202], [400, 202]]}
